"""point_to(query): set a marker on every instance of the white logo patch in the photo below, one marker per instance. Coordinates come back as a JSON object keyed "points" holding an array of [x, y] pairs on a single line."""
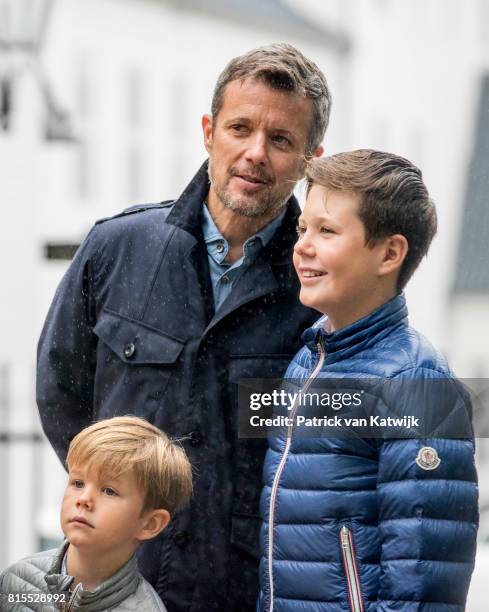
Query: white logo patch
{"points": [[427, 458]]}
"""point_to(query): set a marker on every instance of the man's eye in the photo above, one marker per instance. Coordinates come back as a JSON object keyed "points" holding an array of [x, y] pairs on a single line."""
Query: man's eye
{"points": [[109, 491], [281, 140], [238, 127]]}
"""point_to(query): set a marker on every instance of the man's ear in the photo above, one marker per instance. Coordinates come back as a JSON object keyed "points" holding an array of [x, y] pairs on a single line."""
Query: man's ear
{"points": [[394, 251], [153, 523], [318, 152], [207, 131]]}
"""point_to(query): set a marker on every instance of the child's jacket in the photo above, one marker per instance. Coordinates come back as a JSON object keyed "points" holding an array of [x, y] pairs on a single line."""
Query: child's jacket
{"points": [[356, 524], [34, 581]]}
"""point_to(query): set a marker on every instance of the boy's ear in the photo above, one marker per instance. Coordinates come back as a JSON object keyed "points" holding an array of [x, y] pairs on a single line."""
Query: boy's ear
{"points": [[394, 252], [153, 523]]}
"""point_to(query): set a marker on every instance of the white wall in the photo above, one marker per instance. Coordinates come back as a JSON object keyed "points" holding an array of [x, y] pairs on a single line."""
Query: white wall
{"points": [[136, 78]]}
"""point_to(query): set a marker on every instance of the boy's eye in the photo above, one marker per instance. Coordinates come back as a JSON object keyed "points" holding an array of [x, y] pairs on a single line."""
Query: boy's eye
{"points": [[109, 491], [327, 230], [78, 484], [300, 230]]}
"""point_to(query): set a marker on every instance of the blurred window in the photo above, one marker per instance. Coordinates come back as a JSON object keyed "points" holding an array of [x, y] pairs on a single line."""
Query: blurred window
{"points": [[177, 125], [133, 173], [484, 20], [84, 104], [134, 97]]}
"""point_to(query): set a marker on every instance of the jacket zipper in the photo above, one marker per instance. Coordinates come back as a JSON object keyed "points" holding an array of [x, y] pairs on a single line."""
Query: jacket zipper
{"points": [[351, 570], [280, 469], [71, 602]]}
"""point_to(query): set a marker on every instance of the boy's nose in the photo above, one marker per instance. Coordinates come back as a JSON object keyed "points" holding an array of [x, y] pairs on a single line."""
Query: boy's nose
{"points": [[304, 246], [85, 500]]}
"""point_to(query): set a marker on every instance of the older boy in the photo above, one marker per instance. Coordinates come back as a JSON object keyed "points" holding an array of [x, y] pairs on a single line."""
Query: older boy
{"points": [[126, 478], [359, 524]]}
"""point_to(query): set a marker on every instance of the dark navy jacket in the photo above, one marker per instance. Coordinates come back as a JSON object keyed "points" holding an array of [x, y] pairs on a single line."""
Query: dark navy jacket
{"points": [[362, 524], [132, 330]]}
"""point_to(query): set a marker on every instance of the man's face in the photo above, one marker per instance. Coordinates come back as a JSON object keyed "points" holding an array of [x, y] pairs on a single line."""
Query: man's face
{"points": [[339, 274], [102, 516], [256, 146]]}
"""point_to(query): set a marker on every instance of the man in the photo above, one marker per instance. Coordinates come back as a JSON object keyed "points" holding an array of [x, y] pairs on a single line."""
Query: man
{"points": [[166, 307]]}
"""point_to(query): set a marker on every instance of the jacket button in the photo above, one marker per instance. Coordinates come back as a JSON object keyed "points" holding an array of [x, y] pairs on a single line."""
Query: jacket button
{"points": [[180, 538], [195, 438], [129, 350]]}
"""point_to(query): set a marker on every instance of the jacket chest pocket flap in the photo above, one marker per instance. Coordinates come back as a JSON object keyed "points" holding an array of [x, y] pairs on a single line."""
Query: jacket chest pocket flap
{"points": [[134, 342], [134, 366]]}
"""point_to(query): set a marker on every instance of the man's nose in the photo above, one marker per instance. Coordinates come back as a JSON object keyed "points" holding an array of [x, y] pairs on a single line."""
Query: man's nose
{"points": [[256, 152]]}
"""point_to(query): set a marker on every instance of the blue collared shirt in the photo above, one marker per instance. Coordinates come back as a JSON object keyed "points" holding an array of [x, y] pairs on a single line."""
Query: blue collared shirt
{"points": [[224, 275]]}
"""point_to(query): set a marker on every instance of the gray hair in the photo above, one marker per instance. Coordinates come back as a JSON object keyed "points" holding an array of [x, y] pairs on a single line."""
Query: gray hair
{"points": [[281, 66]]}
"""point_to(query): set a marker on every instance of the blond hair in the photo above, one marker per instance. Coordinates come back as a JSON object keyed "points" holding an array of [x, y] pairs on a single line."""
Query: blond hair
{"points": [[130, 444]]}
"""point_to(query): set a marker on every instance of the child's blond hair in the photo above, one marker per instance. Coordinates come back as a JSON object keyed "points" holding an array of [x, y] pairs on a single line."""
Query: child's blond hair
{"points": [[122, 444]]}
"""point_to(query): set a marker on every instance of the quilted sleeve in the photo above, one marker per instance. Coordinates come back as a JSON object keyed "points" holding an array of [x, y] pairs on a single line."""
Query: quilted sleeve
{"points": [[428, 500]]}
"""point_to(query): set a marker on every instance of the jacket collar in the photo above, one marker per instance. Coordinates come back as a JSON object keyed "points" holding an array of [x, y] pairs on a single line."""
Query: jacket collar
{"points": [[271, 271], [107, 595], [187, 213], [365, 332]]}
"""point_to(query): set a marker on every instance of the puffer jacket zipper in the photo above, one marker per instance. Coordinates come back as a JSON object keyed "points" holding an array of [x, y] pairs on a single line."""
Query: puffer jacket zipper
{"points": [[351, 570], [281, 466], [71, 602]]}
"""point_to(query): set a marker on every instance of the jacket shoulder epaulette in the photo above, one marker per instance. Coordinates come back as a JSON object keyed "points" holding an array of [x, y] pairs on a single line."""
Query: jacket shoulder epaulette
{"points": [[136, 209]]}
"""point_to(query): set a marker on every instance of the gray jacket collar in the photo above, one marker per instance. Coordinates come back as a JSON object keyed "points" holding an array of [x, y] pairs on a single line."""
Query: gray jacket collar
{"points": [[107, 595]]}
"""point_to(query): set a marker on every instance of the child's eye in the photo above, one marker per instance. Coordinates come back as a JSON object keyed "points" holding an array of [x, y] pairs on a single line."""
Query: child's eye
{"points": [[109, 491], [78, 484], [300, 230], [327, 230]]}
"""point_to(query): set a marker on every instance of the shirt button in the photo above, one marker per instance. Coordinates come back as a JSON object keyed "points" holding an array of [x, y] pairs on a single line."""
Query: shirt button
{"points": [[219, 247], [129, 350], [225, 280]]}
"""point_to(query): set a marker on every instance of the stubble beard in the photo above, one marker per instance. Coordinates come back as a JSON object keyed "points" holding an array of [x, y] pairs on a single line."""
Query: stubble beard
{"points": [[255, 206]]}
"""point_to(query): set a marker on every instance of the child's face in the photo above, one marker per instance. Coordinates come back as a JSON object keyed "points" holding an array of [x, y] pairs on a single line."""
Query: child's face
{"points": [[102, 516], [337, 271]]}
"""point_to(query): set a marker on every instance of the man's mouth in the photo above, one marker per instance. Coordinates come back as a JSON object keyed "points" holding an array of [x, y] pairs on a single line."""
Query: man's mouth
{"points": [[80, 520], [252, 179]]}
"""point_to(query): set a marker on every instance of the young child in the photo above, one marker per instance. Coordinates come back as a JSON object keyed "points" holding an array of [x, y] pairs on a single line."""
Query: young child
{"points": [[126, 479], [355, 524]]}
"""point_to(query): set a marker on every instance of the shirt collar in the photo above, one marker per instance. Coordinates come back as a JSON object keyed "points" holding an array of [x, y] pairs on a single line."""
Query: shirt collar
{"points": [[212, 234]]}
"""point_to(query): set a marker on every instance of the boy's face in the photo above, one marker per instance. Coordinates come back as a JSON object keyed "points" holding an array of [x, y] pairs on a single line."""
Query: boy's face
{"points": [[339, 274], [103, 516]]}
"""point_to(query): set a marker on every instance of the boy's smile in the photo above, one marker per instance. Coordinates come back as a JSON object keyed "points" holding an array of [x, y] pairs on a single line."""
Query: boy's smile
{"points": [[340, 275]]}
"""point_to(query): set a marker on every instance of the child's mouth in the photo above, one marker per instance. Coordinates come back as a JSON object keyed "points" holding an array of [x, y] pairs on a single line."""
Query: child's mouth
{"points": [[312, 273]]}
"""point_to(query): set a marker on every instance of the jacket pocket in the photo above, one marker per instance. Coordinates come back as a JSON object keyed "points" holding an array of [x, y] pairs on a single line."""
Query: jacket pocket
{"points": [[134, 365], [351, 570]]}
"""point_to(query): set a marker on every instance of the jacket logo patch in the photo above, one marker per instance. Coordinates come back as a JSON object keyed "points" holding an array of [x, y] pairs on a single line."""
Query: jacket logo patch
{"points": [[427, 458]]}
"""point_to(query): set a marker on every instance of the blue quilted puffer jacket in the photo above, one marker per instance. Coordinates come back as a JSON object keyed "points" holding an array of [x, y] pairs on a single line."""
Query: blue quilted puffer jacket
{"points": [[362, 524]]}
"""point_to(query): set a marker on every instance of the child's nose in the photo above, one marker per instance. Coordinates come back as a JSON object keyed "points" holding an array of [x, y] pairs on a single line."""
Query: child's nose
{"points": [[85, 499], [304, 246]]}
